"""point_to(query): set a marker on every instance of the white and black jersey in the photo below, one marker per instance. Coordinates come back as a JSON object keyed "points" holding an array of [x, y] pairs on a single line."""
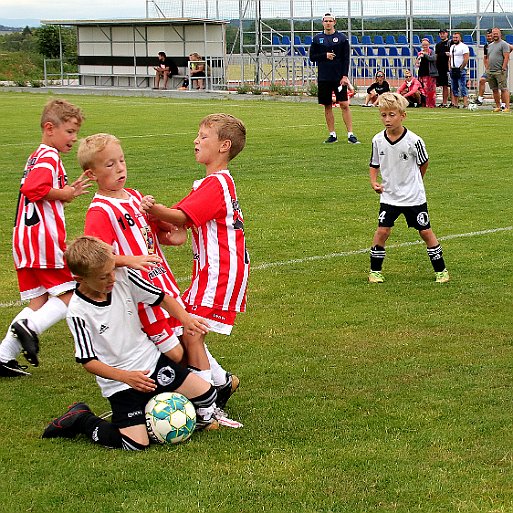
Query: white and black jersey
{"points": [[110, 331], [399, 164]]}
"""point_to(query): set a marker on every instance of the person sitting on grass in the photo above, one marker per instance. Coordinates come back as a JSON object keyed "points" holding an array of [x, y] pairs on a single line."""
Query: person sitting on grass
{"points": [[379, 86], [109, 343], [411, 89], [401, 158]]}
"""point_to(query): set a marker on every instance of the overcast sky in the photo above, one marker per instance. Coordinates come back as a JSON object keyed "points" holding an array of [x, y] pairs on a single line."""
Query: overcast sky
{"points": [[72, 9]]}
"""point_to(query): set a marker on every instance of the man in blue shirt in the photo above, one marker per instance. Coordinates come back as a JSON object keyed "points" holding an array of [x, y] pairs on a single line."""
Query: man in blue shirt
{"points": [[330, 50]]}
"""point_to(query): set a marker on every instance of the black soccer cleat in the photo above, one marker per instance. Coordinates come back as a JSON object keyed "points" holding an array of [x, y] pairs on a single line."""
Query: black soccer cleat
{"points": [[13, 369], [224, 392], [65, 425], [28, 340]]}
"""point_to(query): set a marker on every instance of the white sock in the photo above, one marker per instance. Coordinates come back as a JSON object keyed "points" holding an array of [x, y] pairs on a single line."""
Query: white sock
{"points": [[218, 373], [334, 134], [10, 348], [204, 374], [53, 311], [480, 98], [349, 134], [503, 105], [206, 413]]}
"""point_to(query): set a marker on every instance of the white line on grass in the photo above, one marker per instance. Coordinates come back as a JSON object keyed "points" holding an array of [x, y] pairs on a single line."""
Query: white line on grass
{"points": [[329, 256]]}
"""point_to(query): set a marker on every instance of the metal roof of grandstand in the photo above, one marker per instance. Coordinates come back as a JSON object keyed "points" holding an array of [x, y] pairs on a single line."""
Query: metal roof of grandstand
{"points": [[135, 21]]}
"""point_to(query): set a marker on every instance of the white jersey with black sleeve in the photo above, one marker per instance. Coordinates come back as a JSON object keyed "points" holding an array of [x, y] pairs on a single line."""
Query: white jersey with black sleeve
{"points": [[110, 331], [399, 164]]}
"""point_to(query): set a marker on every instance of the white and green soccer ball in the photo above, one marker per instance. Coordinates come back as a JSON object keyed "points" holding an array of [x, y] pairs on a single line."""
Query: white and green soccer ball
{"points": [[170, 418]]}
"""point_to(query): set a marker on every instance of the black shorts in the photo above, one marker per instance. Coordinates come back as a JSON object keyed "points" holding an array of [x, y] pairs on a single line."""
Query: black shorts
{"points": [[325, 90], [128, 405], [417, 216], [442, 79]]}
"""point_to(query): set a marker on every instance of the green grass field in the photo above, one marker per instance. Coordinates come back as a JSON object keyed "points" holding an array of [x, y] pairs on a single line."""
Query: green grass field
{"points": [[355, 398]]}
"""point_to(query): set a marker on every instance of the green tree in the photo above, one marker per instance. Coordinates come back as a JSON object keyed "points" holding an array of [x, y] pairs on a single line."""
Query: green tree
{"points": [[49, 41]]}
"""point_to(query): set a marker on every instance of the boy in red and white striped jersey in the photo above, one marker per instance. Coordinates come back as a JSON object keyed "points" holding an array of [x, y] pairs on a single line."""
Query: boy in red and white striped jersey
{"points": [[39, 237], [114, 216], [220, 261]]}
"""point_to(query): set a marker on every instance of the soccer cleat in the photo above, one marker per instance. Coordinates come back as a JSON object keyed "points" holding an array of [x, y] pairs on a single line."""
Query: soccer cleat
{"points": [[206, 425], [13, 369], [477, 101], [376, 277], [505, 110], [224, 392], [442, 277], [223, 420], [65, 425], [497, 109], [28, 340], [352, 139], [331, 139]]}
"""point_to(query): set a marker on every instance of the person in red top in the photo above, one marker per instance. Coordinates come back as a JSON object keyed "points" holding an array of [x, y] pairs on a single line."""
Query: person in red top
{"points": [[114, 217], [39, 237], [411, 89], [220, 260]]}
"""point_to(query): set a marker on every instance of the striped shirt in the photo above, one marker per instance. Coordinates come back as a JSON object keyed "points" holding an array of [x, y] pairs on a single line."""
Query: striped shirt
{"points": [[120, 223], [221, 262], [110, 330], [39, 228], [399, 164]]}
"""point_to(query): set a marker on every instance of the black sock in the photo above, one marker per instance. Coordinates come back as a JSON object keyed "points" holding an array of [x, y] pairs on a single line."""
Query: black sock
{"points": [[437, 259], [377, 255]]}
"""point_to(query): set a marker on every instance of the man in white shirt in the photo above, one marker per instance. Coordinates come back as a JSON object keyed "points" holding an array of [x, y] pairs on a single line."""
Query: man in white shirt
{"points": [[459, 54]]}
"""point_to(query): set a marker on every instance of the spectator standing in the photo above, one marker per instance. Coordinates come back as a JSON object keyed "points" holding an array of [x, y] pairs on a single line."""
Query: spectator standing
{"points": [[426, 62], [331, 51], [484, 77], [442, 65], [498, 60], [459, 54]]}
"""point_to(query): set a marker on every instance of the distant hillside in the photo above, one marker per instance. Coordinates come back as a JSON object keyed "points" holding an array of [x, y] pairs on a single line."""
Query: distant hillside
{"points": [[8, 25]]}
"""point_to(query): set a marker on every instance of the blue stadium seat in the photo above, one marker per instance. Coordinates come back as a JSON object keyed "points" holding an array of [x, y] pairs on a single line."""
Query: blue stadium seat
{"points": [[378, 40], [402, 39], [382, 51], [509, 38], [429, 38], [276, 40], [405, 57], [308, 40], [396, 68], [366, 40], [354, 40], [285, 41], [297, 41], [390, 40], [468, 39], [482, 39], [416, 40]]}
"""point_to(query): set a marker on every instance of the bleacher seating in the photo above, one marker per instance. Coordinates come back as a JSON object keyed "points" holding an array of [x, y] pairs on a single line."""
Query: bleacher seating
{"points": [[378, 40], [468, 39], [416, 40], [402, 39], [275, 40], [390, 40], [354, 40], [366, 40], [308, 41], [509, 38], [482, 39], [429, 37]]}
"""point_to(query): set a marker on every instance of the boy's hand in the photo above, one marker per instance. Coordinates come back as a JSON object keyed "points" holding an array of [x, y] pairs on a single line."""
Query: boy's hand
{"points": [[143, 262], [81, 184], [139, 380], [146, 204], [377, 187], [193, 326]]}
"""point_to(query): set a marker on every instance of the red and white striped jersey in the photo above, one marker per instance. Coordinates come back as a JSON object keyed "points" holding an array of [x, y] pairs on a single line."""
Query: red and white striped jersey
{"points": [[120, 223], [221, 262], [39, 228]]}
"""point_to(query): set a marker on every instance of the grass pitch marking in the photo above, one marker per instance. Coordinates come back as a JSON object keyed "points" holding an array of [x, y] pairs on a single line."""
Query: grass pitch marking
{"points": [[329, 256]]}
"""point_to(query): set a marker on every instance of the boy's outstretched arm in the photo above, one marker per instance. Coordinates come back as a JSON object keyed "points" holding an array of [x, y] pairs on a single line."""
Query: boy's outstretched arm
{"points": [[171, 215], [138, 380], [423, 168]]}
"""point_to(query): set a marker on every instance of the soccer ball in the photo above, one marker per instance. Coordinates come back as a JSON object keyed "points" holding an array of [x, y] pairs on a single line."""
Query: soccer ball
{"points": [[472, 106], [170, 418]]}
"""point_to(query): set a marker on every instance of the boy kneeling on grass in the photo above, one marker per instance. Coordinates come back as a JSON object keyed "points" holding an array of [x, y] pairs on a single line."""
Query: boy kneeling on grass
{"points": [[110, 343]]}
